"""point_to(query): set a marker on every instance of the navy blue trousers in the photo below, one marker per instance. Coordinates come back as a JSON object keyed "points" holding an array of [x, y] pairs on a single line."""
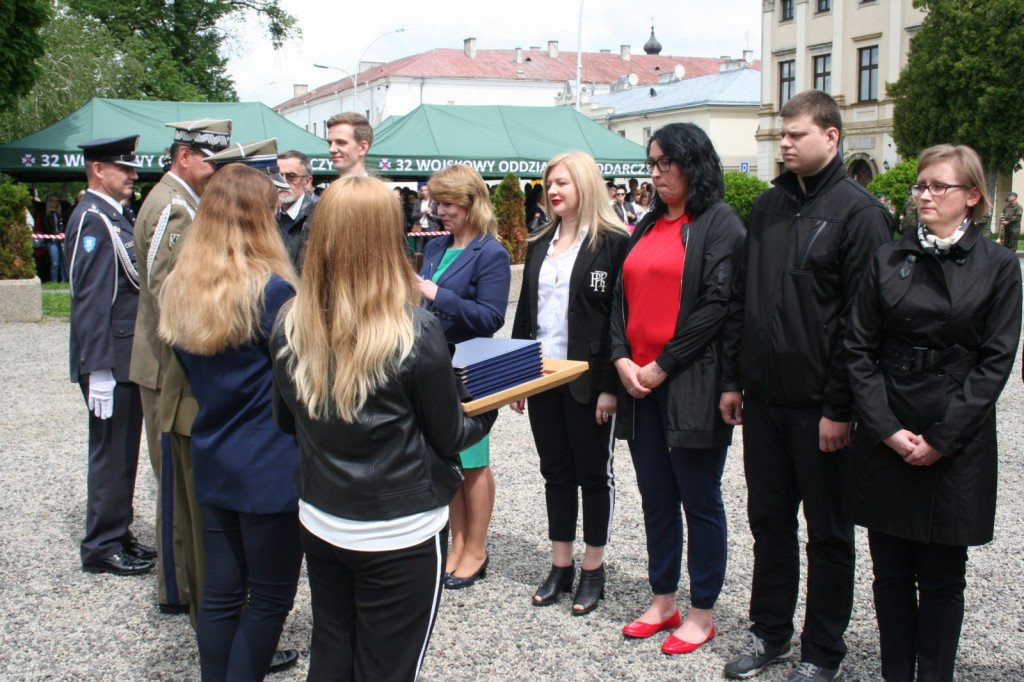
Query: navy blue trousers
{"points": [[113, 462], [668, 477], [252, 572]]}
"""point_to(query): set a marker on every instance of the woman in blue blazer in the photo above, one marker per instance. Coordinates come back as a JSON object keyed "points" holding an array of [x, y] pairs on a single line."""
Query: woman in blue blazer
{"points": [[464, 282], [571, 268], [218, 307]]}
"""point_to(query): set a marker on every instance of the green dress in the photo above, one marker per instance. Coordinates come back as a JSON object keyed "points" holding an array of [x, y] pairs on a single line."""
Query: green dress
{"points": [[478, 455]]}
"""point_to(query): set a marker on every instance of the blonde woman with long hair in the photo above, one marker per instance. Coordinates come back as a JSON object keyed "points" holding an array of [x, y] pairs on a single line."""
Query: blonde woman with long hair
{"points": [[217, 309], [464, 281], [364, 377], [572, 264]]}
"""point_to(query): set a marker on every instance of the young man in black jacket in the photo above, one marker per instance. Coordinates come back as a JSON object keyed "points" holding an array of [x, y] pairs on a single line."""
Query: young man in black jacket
{"points": [[809, 242]]}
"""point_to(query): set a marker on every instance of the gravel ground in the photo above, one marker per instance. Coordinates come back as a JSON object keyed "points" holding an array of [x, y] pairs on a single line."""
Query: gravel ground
{"points": [[58, 623]]}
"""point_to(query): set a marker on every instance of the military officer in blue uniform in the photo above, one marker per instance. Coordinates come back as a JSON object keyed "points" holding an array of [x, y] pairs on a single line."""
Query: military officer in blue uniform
{"points": [[100, 252]]}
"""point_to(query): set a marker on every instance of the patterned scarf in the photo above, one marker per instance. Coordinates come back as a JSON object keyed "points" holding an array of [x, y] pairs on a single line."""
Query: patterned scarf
{"points": [[937, 245]]}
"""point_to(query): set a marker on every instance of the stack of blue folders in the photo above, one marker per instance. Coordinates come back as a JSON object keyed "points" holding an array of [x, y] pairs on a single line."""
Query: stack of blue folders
{"points": [[487, 366]]}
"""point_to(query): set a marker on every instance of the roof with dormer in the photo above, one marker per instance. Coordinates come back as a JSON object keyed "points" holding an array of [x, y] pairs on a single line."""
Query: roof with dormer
{"points": [[536, 65]]}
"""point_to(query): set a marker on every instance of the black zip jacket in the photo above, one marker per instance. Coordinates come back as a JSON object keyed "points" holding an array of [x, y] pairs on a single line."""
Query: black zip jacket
{"points": [[692, 358], [400, 456], [804, 257]]}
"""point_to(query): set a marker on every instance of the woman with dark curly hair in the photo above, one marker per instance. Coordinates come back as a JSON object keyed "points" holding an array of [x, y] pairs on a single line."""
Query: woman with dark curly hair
{"points": [[669, 306]]}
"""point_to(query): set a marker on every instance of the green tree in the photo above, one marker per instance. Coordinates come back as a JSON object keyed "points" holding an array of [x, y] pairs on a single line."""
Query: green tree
{"points": [[179, 42], [77, 66], [20, 23], [895, 183], [961, 83], [510, 208], [741, 190], [15, 237]]}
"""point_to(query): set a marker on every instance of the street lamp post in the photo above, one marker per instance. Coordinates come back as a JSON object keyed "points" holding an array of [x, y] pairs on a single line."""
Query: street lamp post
{"points": [[355, 79], [579, 58]]}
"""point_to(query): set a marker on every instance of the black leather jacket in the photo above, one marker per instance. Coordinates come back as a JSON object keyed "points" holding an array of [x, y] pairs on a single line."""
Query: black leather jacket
{"points": [[400, 456]]}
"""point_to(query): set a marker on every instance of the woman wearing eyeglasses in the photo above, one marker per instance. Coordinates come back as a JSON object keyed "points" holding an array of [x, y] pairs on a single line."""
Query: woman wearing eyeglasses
{"points": [[931, 344], [667, 315]]}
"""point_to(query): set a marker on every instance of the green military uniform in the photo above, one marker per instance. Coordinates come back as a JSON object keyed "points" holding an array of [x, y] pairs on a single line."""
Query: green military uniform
{"points": [[167, 401], [1011, 224]]}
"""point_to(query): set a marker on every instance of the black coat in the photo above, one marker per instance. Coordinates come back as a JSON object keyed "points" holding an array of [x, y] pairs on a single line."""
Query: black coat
{"points": [[295, 232], [401, 454], [591, 286], [931, 344], [693, 356]]}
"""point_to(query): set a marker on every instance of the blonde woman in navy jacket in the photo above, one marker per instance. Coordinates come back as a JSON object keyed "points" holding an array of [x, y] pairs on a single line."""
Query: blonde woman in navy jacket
{"points": [[571, 267], [218, 307], [464, 282]]}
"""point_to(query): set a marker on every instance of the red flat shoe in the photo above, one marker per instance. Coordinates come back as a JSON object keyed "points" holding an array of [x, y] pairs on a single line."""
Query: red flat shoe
{"points": [[638, 630], [674, 645]]}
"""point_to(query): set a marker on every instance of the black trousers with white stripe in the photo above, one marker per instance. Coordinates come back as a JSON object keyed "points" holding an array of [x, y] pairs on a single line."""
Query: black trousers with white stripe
{"points": [[574, 453], [373, 612]]}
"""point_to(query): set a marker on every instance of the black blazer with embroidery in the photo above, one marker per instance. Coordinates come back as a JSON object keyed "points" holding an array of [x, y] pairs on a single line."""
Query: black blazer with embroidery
{"points": [[591, 289]]}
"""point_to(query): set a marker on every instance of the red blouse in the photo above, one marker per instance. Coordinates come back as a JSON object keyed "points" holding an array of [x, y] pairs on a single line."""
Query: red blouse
{"points": [[652, 277]]}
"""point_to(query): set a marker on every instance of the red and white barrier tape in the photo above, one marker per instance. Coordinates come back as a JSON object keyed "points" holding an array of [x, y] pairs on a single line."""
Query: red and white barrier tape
{"points": [[47, 236], [427, 234]]}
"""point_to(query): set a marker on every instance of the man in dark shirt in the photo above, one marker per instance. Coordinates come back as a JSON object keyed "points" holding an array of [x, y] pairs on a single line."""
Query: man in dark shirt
{"points": [[809, 242]]}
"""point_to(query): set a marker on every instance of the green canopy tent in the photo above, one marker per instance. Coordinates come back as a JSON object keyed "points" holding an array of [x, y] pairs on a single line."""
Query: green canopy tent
{"points": [[52, 154], [496, 140]]}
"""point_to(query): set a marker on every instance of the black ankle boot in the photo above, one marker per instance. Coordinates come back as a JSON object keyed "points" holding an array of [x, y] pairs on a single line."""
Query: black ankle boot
{"points": [[589, 591], [559, 580]]}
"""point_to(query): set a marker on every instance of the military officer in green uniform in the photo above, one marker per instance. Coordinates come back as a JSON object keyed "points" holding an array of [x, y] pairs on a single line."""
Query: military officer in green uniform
{"points": [[167, 401], [1011, 221]]}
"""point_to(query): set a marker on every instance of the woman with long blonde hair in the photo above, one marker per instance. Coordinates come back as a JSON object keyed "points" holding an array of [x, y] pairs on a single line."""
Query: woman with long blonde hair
{"points": [[464, 282], [364, 377], [218, 307], [572, 264]]}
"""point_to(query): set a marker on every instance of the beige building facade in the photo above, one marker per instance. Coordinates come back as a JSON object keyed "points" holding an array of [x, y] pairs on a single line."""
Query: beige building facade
{"points": [[849, 49]]}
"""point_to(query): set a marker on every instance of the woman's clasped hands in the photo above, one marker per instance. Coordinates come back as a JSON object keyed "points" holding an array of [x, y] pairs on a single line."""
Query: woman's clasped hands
{"points": [[913, 448]]}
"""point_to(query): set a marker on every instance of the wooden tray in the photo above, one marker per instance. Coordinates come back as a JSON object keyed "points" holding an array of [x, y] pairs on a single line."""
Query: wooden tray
{"points": [[556, 373]]}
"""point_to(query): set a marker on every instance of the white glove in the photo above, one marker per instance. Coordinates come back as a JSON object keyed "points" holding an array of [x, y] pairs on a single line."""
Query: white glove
{"points": [[101, 393]]}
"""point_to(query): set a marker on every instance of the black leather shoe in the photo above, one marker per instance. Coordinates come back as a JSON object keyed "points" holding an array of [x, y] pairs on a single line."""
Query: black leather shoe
{"points": [[119, 564], [283, 660], [454, 583], [559, 580], [174, 609], [589, 591], [140, 551]]}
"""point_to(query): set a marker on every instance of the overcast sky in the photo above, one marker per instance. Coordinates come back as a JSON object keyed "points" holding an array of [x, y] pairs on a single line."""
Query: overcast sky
{"points": [[336, 33]]}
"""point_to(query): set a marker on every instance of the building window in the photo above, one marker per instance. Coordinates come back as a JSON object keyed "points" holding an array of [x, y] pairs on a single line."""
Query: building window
{"points": [[823, 73], [314, 127], [867, 61], [787, 10], [824, 5], [647, 135], [622, 133], [787, 81]]}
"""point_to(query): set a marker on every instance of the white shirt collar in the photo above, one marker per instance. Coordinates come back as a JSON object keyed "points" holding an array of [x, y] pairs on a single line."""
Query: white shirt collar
{"points": [[185, 185], [293, 211], [109, 199]]}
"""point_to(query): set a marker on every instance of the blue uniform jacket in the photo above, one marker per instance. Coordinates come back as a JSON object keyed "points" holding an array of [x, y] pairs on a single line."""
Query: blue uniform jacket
{"points": [[241, 460], [104, 291], [472, 294]]}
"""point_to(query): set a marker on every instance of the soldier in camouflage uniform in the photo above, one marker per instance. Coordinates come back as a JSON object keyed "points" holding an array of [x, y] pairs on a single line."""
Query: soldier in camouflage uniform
{"points": [[1011, 221]]}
